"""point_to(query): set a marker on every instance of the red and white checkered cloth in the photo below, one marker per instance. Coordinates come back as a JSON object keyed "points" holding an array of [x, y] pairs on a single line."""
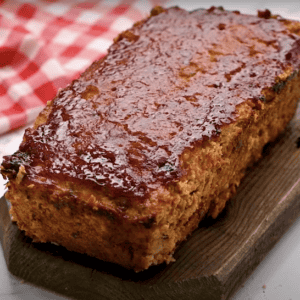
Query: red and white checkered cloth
{"points": [[46, 44]]}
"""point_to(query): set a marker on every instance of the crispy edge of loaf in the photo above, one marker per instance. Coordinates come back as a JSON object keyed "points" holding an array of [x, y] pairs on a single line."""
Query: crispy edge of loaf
{"points": [[214, 171]]}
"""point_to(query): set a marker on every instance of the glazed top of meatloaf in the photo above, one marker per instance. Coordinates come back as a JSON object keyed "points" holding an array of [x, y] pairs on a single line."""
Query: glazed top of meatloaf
{"points": [[167, 84]]}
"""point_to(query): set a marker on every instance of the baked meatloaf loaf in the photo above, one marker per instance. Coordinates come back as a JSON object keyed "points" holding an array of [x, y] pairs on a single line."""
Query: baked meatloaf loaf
{"points": [[125, 161]]}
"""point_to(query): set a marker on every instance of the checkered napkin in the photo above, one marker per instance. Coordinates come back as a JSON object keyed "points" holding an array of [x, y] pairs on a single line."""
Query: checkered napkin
{"points": [[46, 44]]}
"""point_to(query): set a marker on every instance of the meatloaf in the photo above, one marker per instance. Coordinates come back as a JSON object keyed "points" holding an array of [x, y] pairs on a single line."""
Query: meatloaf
{"points": [[126, 161]]}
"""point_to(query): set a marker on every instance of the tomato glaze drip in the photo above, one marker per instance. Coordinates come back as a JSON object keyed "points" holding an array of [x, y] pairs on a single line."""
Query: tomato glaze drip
{"points": [[166, 85]]}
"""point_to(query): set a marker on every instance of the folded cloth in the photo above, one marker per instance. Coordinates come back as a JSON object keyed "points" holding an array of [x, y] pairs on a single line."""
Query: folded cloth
{"points": [[46, 44]]}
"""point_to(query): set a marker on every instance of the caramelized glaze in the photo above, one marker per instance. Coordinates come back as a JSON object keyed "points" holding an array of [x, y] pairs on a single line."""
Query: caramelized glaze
{"points": [[165, 85]]}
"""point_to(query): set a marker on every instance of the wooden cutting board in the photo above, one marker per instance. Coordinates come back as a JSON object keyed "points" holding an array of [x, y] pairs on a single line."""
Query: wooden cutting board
{"points": [[212, 264]]}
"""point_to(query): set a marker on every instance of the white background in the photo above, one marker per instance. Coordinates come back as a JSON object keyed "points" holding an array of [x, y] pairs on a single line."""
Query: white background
{"points": [[276, 278]]}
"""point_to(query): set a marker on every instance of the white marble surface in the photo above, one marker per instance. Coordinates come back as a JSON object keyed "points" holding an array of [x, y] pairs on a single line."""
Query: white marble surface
{"points": [[276, 278]]}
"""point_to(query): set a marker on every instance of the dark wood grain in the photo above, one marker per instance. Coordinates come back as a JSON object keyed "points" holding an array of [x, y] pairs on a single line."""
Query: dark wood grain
{"points": [[212, 264]]}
